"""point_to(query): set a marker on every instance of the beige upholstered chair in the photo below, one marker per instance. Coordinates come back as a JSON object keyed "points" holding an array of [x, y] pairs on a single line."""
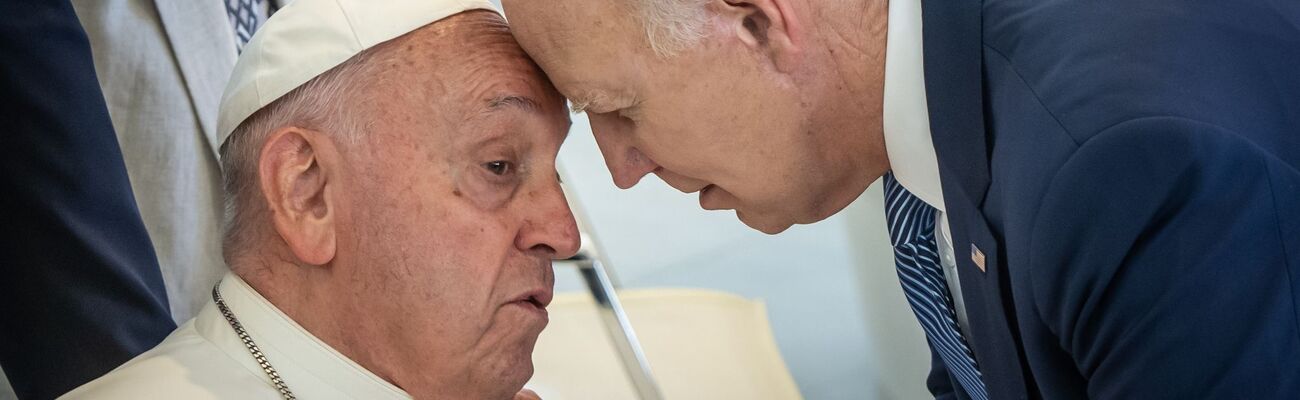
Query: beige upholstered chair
{"points": [[700, 344]]}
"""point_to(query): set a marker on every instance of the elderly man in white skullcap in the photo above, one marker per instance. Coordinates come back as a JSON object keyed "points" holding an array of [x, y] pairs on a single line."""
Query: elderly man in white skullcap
{"points": [[394, 208]]}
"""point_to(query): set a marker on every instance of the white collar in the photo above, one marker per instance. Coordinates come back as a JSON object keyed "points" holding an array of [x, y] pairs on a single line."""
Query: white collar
{"points": [[311, 368], [906, 118]]}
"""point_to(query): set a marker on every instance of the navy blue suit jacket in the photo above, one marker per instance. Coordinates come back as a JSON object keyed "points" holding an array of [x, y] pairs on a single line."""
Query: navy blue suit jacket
{"points": [[1131, 172], [80, 289]]}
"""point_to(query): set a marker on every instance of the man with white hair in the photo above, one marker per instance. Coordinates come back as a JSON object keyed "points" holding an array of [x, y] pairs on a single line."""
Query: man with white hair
{"points": [[394, 211], [1086, 198]]}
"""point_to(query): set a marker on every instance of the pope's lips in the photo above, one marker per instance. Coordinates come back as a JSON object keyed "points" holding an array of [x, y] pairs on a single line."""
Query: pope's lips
{"points": [[534, 300]]}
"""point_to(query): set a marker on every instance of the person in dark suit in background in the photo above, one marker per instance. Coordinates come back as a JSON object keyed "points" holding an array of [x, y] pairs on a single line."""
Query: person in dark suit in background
{"points": [[80, 291], [1087, 199]]}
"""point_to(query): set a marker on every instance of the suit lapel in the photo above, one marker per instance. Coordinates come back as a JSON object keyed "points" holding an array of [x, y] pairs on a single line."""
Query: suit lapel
{"points": [[955, 95], [954, 90], [201, 38]]}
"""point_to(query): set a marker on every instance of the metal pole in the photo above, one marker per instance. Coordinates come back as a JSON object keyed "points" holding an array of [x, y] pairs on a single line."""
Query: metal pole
{"points": [[600, 281], [618, 327]]}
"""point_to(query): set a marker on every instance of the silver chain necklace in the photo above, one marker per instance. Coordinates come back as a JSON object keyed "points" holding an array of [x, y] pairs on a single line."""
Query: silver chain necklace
{"points": [[252, 347]]}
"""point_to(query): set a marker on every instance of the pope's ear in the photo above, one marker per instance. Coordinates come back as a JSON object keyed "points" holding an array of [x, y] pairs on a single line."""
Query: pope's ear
{"points": [[766, 26], [297, 173]]}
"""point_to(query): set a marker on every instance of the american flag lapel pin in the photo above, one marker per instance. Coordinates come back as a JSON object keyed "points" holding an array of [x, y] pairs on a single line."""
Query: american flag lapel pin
{"points": [[977, 256]]}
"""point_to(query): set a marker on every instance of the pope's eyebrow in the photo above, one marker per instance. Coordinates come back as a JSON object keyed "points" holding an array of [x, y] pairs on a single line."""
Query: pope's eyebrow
{"points": [[520, 102]]}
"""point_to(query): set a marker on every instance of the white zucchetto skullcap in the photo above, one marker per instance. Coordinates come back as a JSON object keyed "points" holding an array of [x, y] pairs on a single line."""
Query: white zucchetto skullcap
{"points": [[309, 37]]}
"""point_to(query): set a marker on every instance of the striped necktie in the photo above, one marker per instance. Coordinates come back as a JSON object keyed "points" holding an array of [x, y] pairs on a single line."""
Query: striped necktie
{"points": [[911, 227], [245, 17]]}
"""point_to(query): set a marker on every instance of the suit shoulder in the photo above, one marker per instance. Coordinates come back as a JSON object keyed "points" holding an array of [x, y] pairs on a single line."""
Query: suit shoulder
{"points": [[1095, 64], [1144, 163], [1155, 228], [1149, 184]]}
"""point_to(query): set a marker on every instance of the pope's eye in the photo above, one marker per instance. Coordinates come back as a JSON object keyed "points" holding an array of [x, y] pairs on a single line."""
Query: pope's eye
{"points": [[499, 167]]}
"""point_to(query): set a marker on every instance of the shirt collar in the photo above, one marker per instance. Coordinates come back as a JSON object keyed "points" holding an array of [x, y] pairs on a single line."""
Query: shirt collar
{"points": [[906, 118], [311, 368]]}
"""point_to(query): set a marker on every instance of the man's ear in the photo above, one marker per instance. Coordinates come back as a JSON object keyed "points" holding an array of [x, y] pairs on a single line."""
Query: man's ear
{"points": [[297, 170], [766, 26]]}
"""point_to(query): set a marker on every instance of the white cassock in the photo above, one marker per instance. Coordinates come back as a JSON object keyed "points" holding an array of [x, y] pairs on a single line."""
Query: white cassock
{"points": [[205, 359]]}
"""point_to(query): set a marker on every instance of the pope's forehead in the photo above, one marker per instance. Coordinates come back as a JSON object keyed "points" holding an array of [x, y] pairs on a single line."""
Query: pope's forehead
{"points": [[458, 40], [467, 57]]}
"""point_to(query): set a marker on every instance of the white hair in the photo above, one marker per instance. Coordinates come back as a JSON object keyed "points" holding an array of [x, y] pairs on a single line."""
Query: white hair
{"points": [[327, 103], [672, 25]]}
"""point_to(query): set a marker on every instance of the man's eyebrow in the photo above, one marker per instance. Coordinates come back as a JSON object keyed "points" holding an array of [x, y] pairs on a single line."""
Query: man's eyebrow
{"points": [[521, 102], [581, 102], [579, 105]]}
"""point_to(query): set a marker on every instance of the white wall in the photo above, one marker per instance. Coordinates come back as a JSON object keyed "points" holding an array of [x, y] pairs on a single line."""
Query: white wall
{"points": [[835, 304]]}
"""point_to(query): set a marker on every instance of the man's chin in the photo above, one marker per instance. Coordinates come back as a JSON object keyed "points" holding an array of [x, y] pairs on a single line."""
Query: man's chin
{"points": [[770, 226]]}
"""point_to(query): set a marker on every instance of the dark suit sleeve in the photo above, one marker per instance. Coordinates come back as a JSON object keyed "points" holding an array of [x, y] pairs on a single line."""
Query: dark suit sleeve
{"points": [[80, 288], [1160, 263]]}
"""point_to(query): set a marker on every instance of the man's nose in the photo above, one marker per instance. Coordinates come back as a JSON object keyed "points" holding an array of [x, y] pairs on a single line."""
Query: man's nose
{"points": [[549, 227], [626, 163]]}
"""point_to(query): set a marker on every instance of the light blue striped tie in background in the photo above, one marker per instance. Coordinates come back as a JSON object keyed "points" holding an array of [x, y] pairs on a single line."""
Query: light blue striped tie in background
{"points": [[245, 16]]}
